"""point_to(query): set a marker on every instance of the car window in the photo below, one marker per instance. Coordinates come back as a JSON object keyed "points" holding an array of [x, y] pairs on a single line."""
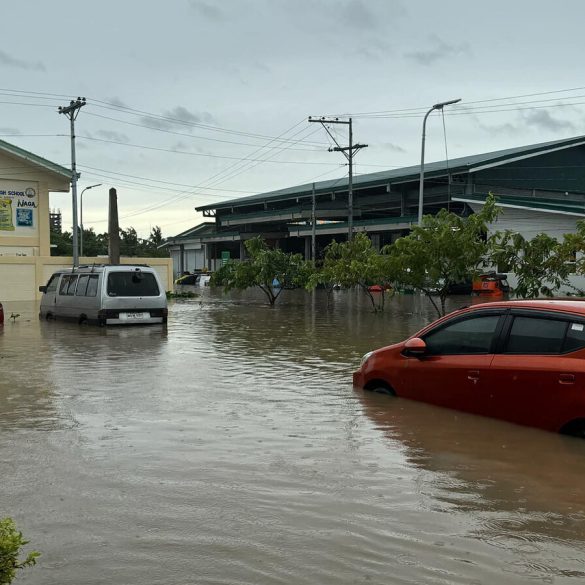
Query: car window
{"points": [[575, 338], [533, 335], [52, 284], [466, 336], [82, 285], [64, 285], [72, 284], [92, 285], [132, 284]]}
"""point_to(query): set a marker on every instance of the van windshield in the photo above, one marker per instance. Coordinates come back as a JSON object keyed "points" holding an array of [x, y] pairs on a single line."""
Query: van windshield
{"points": [[132, 284]]}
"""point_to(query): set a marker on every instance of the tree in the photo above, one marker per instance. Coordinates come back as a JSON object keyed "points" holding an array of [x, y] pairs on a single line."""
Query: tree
{"points": [[541, 265], [11, 542], [446, 249], [261, 269], [354, 263]]}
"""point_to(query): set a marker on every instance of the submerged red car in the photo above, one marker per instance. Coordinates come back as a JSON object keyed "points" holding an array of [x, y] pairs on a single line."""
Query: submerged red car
{"points": [[521, 361]]}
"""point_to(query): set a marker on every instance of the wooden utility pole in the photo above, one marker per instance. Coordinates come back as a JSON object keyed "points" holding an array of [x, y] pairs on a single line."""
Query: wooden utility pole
{"points": [[113, 229], [349, 152]]}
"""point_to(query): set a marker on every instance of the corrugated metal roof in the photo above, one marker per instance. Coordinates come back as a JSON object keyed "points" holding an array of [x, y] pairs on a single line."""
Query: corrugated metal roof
{"points": [[404, 174], [35, 159]]}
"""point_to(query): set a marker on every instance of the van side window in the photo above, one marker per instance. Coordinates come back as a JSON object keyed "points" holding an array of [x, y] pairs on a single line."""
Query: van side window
{"points": [[72, 284], [64, 285], [52, 284], [82, 285], [92, 285]]}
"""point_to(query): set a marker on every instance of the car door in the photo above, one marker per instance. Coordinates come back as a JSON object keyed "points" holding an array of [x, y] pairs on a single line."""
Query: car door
{"points": [[453, 371], [537, 378]]}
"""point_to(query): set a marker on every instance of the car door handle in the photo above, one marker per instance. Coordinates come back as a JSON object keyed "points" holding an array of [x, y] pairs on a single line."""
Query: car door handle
{"points": [[473, 375], [566, 378]]}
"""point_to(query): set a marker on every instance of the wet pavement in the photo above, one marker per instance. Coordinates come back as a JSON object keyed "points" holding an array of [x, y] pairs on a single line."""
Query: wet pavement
{"points": [[230, 447]]}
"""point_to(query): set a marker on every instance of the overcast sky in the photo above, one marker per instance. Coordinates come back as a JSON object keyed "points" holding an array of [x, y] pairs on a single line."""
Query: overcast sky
{"points": [[185, 98]]}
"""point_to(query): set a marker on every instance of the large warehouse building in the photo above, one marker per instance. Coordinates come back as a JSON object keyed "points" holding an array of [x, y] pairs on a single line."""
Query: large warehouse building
{"points": [[541, 187]]}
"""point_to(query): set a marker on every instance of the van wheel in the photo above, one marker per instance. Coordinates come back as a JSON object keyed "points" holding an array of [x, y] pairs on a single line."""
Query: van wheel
{"points": [[82, 320], [49, 317]]}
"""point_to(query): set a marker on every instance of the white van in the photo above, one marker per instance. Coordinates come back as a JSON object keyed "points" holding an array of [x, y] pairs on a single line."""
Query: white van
{"points": [[106, 295]]}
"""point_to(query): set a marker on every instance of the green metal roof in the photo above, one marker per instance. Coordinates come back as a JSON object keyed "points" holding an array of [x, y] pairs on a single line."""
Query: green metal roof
{"points": [[35, 159], [567, 206], [404, 174]]}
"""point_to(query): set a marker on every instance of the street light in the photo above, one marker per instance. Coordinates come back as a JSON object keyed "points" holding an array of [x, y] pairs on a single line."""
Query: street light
{"points": [[81, 216], [422, 156]]}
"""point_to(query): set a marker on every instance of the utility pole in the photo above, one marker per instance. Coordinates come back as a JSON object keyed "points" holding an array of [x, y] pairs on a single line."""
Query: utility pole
{"points": [[313, 227], [349, 152], [72, 111]]}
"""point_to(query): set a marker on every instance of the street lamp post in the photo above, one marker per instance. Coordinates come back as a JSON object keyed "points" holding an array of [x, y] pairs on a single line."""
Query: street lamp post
{"points": [[422, 156], [81, 216]]}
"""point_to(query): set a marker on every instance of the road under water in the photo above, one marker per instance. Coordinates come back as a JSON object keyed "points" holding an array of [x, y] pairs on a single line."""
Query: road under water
{"points": [[230, 448]]}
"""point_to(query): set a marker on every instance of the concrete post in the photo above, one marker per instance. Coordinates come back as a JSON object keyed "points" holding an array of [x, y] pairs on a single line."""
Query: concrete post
{"points": [[113, 229]]}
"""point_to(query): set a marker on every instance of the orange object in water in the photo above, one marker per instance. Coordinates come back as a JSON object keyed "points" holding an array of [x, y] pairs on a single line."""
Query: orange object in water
{"points": [[491, 285]]}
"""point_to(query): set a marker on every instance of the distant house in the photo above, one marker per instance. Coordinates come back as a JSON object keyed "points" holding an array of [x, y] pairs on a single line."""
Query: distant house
{"points": [[541, 188], [26, 221]]}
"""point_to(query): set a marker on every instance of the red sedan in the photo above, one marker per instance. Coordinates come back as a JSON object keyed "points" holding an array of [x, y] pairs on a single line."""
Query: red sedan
{"points": [[521, 361]]}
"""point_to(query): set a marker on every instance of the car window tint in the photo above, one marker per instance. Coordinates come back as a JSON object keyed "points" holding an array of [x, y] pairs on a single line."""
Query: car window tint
{"points": [[72, 284], [132, 284], [92, 285], [575, 337], [82, 285], [64, 285], [531, 335], [468, 336], [52, 284]]}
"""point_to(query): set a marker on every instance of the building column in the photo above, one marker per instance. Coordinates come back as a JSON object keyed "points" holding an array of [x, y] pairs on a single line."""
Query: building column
{"points": [[181, 258], [375, 241], [242, 250], [308, 248]]}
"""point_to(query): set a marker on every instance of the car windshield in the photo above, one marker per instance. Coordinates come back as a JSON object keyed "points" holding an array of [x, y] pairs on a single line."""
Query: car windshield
{"points": [[132, 284]]}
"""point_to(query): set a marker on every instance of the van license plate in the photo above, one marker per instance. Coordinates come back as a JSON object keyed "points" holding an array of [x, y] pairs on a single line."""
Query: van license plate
{"points": [[134, 316]]}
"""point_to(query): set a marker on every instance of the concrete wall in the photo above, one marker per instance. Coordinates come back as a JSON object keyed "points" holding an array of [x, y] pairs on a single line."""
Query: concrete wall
{"points": [[21, 276]]}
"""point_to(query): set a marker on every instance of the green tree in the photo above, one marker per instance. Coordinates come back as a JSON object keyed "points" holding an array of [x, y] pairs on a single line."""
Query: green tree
{"points": [[11, 543], [444, 250], [263, 266], [541, 265], [354, 263]]}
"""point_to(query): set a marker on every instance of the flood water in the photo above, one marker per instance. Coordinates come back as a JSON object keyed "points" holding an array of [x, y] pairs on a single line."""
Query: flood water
{"points": [[230, 448]]}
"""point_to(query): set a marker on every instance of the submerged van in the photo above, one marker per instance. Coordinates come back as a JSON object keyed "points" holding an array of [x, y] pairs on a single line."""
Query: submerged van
{"points": [[106, 295]]}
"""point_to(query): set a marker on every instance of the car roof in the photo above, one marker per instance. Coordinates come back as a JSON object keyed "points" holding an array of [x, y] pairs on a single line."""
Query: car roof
{"points": [[567, 305]]}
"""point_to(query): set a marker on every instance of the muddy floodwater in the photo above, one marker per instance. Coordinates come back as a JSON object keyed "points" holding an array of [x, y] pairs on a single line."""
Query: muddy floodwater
{"points": [[230, 448]]}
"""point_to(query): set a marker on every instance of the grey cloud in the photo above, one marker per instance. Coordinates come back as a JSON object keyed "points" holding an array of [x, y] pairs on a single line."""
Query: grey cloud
{"points": [[9, 130], [391, 146], [116, 101], [208, 11], [543, 120], [358, 14], [10, 61], [112, 135], [499, 129], [175, 117], [440, 50]]}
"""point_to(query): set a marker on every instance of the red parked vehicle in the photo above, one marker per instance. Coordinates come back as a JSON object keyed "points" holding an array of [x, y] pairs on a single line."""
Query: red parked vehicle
{"points": [[521, 361], [1, 314]]}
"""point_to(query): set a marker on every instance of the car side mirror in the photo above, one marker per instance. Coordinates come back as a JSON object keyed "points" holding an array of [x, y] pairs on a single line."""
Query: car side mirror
{"points": [[43, 288], [415, 347]]}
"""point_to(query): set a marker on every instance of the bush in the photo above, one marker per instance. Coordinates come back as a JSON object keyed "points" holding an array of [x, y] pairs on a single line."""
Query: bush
{"points": [[11, 542]]}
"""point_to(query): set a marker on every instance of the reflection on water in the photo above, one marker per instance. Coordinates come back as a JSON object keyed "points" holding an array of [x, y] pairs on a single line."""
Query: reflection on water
{"points": [[231, 448]]}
